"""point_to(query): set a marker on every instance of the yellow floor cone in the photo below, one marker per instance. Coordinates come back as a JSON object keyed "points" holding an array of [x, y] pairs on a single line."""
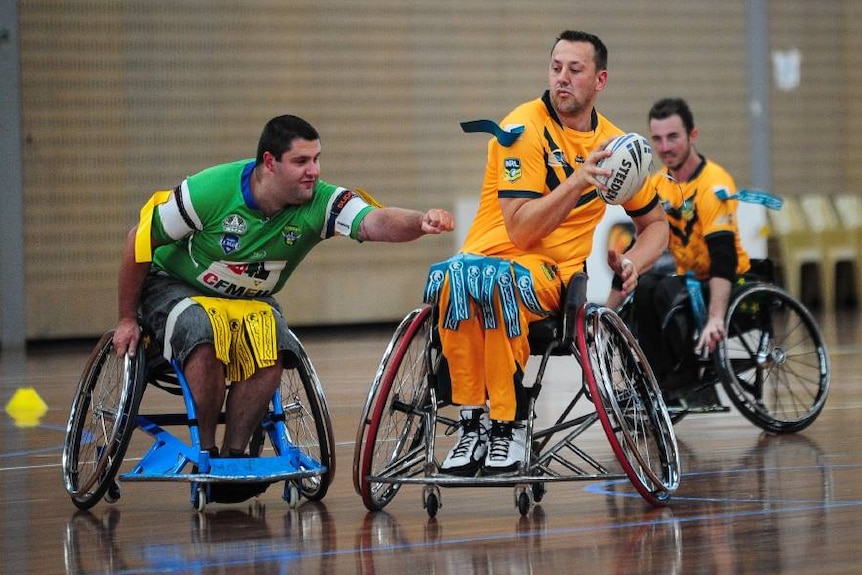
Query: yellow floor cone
{"points": [[26, 408]]}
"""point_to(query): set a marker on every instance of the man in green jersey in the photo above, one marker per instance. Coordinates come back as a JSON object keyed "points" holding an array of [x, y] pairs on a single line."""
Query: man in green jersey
{"points": [[236, 232]]}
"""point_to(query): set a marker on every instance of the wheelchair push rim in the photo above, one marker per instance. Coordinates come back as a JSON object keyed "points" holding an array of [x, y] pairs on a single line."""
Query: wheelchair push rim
{"points": [[629, 404], [773, 364], [307, 421], [391, 439], [101, 421]]}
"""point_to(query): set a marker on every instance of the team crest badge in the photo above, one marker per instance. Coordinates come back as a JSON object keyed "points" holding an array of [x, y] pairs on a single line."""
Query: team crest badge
{"points": [[234, 224], [557, 158], [290, 234], [688, 209], [512, 169]]}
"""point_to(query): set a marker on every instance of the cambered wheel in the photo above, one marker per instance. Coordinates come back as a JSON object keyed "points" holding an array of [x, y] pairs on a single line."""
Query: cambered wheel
{"points": [[629, 404], [101, 421], [391, 437], [773, 363], [307, 419]]}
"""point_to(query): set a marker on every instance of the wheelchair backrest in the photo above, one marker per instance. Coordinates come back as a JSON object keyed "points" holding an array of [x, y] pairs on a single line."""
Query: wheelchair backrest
{"points": [[575, 297], [761, 270]]}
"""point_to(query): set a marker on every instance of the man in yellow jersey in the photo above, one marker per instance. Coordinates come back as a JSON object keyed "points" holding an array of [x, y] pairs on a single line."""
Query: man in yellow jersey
{"points": [[533, 230], [704, 242]]}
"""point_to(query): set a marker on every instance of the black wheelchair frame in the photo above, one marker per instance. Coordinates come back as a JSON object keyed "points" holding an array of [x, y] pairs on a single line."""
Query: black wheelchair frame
{"points": [[773, 363]]}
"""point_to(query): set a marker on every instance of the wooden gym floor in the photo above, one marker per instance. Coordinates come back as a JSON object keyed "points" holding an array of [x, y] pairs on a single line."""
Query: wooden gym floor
{"points": [[748, 502]]}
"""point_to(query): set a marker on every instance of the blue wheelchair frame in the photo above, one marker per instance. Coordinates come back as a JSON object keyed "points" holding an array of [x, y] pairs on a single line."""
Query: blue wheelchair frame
{"points": [[169, 456], [104, 414]]}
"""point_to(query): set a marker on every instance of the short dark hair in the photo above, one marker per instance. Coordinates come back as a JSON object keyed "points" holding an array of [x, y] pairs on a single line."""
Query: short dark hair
{"points": [[667, 107], [280, 132], [601, 57]]}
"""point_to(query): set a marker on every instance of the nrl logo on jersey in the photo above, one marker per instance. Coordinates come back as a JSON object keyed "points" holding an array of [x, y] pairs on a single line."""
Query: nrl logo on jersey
{"points": [[290, 234], [234, 224], [512, 169]]}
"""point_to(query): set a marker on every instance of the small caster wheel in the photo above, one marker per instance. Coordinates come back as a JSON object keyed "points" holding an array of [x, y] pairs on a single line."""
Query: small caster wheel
{"points": [[291, 494], [431, 500], [523, 499], [199, 496], [112, 495]]}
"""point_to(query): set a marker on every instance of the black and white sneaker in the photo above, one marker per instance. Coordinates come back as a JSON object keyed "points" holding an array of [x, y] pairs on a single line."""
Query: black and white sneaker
{"points": [[469, 451], [507, 447]]}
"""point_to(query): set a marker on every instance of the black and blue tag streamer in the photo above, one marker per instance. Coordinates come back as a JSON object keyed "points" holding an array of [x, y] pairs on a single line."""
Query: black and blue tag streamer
{"points": [[505, 137]]}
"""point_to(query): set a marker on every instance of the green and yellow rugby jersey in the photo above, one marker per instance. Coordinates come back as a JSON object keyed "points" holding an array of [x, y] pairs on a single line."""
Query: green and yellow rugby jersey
{"points": [[211, 234]]}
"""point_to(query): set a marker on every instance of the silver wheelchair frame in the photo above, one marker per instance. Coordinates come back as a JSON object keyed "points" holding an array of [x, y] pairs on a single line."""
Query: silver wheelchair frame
{"points": [[403, 413]]}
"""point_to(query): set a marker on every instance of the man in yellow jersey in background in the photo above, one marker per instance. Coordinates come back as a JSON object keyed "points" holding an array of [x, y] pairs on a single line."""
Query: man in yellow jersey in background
{"points": [[704, 242], [533, 231]]}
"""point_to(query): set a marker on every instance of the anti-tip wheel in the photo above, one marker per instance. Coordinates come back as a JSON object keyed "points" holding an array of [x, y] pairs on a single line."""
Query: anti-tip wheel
{"points": [[431, 500], [524, 499], [291, 494]]}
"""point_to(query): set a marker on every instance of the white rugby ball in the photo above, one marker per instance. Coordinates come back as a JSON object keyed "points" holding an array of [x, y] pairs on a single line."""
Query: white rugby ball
{"points": [[630, 165]]}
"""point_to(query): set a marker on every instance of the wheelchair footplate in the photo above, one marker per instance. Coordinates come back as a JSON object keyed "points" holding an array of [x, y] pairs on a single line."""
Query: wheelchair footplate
{"points": [[170, 459]]}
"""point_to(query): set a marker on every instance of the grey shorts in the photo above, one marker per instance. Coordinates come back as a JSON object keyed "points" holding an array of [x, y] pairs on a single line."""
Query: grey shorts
{"points": [[191, 327]]}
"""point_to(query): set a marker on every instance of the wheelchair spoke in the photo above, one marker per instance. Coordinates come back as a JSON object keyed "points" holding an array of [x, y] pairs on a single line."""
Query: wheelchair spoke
{"points": [[100, 423], [307, 425], [407, 465]]}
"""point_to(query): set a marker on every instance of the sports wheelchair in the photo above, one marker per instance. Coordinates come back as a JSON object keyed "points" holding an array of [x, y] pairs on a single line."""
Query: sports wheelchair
{"points": [[404, 413], [104, 413], [773, 363]]}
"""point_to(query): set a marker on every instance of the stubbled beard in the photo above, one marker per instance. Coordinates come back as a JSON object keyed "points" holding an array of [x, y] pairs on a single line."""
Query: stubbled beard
{"points": [[573, 107], [682, 162]]}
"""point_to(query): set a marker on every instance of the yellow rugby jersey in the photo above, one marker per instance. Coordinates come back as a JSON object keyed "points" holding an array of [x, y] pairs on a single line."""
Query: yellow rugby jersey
{"points": [[545, 155], [694, 212]]}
